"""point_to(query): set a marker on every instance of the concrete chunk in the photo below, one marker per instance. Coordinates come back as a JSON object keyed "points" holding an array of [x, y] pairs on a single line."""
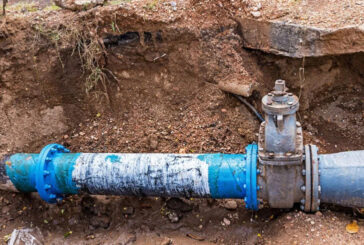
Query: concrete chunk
{"points": [[294, 40]]}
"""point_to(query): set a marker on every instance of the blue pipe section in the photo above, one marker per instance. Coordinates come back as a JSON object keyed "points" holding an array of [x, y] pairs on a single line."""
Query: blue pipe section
{"points": [[234, 175], [48, 173], [342, 178], [20, 168], [55, 172]]}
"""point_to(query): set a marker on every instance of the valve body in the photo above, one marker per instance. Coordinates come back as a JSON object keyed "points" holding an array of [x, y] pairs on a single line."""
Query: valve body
{"points": [[280, 149]]}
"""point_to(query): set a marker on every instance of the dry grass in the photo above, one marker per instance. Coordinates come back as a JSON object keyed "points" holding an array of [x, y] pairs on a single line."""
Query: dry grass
{"points": [[86, 44]]}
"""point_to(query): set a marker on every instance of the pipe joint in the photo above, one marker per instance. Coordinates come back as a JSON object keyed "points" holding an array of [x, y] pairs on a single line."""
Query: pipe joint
{"points": [[45, 177], [251, 201], [312, 186]]}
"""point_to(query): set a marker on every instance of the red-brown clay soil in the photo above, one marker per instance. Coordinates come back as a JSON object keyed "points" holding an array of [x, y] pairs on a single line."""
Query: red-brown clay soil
{"points": [[159, 94]]}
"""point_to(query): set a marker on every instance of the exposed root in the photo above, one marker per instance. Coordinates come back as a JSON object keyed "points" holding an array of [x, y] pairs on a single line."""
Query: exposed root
{"points": [[4, 6], [90, 49]]}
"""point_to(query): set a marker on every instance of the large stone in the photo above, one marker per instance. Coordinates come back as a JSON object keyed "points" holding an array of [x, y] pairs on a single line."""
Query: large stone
{"points": [[299, 41], [229, 204], [79, 5]]}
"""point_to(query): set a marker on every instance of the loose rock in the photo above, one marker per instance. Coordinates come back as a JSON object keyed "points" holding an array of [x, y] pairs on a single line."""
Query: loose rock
{"points": [[229, 204], [125, 74], [173, 217], [256, 14], [225, 222]]}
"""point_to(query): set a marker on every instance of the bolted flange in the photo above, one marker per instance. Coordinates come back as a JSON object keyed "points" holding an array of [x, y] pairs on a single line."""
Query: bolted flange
{"points": [[45, 179], [251, 187], [312, 188]]}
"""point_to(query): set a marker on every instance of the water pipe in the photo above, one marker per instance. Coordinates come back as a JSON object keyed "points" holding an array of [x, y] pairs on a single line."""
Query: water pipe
{"points": [[278, 170], [342, 178], [55, 172]]}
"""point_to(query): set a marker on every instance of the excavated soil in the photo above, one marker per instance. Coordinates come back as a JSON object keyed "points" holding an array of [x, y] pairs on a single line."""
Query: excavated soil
{"points": [[158, 70]]}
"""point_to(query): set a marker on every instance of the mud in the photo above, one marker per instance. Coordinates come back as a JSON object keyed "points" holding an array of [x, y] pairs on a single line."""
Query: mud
{"points": [[160, 94]]}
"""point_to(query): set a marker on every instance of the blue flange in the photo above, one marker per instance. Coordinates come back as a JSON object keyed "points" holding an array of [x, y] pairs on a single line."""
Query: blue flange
{"points": [[45, 179], [251, 201]]}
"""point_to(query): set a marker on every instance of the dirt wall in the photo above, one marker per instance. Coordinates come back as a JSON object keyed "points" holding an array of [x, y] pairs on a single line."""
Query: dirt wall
{"points": [[114, 80]]}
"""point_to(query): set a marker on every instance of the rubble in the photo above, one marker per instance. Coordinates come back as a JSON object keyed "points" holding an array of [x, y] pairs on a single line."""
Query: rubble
{"points": [[26, 236]]}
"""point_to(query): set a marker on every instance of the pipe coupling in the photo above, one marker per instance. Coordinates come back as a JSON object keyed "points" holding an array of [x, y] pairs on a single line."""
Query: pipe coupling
{"points": [[312, 189], [45, 178]]}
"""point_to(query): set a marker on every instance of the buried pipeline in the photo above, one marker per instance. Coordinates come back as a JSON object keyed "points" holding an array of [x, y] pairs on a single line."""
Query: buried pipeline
{"points": [[279, 169]]}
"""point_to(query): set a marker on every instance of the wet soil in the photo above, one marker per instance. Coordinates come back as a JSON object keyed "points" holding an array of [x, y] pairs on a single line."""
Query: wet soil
{"points": [[162, 68]]}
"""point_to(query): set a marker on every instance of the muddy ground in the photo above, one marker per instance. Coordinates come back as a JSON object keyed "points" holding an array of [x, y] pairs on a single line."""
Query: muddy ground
{"points": [[142, 76]]}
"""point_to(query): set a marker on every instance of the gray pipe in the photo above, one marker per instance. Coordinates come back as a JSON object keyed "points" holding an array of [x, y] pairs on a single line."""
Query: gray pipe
{"points": [[342, 178]]}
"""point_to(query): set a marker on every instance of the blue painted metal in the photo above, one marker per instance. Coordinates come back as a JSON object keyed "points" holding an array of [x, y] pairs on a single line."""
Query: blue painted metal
{"points": [[49, 173], [45, 175], [55, 172], [234, 176], [63, 168], [225, 174], [21, 169], [342, 178], [251, 201]]}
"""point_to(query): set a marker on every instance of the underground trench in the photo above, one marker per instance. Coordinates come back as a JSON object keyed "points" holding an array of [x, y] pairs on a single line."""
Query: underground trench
{"points": [[278, 170]]}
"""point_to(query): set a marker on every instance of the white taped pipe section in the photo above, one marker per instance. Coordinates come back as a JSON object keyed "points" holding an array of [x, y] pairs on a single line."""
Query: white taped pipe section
{"points": [[142, 174]]}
